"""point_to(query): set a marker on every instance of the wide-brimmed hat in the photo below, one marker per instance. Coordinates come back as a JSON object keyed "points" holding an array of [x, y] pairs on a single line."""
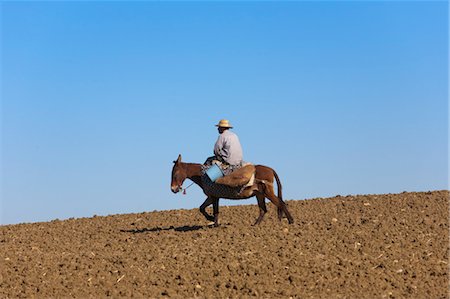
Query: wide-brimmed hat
{"points": [[224, 123]]}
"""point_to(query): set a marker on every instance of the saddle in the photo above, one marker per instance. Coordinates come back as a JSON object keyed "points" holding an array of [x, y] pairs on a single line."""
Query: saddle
{"points": [[240, 177]]}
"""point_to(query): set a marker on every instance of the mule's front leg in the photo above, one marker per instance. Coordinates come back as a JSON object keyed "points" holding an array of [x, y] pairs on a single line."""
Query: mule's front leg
{"points": [[209, 201], [216, 211]]}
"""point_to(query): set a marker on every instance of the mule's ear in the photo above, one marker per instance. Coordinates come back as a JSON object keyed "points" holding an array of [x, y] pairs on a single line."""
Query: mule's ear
{"points": [[179, 158]]}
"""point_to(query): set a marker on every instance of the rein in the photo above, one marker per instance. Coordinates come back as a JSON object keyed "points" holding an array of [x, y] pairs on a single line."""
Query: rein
{"points": [[184, 189]]}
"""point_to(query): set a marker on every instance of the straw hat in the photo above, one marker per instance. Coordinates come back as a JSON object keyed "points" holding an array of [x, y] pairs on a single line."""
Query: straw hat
{"points": [[224, 123]]}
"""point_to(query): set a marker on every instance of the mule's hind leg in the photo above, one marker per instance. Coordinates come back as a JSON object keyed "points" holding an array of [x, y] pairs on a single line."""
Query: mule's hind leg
{"points": [[280, 213], [208, 201], [281, 206], [262, 207]]}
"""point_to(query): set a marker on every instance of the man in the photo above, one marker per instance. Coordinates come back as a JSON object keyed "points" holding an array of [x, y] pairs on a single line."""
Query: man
{"points": [[227, 149]]}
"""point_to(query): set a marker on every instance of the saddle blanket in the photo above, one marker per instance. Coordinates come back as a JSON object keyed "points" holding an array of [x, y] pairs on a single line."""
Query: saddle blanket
{"points": [[221, 190]]}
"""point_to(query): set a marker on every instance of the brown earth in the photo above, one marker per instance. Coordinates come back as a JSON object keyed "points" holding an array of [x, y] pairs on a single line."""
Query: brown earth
{"points": [[374, 246]]}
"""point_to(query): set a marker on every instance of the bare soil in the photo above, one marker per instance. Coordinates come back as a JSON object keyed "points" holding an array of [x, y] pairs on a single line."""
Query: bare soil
{"points": [[368, 246]]}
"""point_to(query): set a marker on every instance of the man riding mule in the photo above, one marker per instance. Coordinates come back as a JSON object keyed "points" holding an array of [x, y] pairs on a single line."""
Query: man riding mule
{"points": [[241, 180]]}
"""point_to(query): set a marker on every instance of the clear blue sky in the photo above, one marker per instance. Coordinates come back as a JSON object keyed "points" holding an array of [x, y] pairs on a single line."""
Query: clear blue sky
{"points": [[98, 99]]}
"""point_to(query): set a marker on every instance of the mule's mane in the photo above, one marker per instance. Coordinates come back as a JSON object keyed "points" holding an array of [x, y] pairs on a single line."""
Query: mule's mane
{"points": [[190, 164], [192, 169]]}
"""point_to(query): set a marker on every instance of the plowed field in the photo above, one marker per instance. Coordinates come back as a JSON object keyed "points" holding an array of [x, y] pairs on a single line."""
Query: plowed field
{"points": [[369, 246]]}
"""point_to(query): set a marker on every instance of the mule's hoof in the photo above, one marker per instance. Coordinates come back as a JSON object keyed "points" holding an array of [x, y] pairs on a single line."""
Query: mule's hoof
{"points": [[213, 224]]}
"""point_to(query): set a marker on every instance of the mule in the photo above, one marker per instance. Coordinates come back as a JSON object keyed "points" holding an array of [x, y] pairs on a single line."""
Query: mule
{"points": [[262, 188]]}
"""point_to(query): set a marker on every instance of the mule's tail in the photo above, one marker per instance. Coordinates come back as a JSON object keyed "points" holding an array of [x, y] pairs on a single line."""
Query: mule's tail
{"points": [[282, 208], [280, 191]]}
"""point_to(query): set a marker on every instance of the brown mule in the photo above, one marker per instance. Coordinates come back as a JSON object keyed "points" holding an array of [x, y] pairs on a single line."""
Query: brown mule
{"points": [[262, 188]]}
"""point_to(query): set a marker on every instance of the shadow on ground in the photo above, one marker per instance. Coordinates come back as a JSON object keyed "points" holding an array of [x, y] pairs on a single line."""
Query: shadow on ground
{"points": [[185, 228]]}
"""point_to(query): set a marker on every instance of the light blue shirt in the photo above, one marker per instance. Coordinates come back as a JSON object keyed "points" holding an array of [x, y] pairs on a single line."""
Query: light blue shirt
{"points": [[228, 148]]}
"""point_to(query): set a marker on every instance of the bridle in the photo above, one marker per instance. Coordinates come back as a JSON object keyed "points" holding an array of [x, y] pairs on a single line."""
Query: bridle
{"points": [[180, 187]]}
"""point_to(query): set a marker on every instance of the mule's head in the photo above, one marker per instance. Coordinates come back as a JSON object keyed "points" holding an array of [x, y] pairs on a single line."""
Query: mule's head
{"points": [[178, 175]]}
